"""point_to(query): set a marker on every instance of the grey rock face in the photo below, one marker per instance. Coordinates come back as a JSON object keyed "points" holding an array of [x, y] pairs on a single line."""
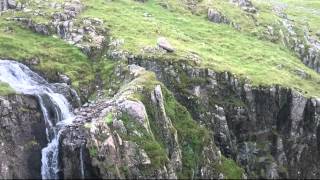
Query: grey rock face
{"points": [[168, 132], [22, 137], [245, 5], [104, 145], [217, 17], [69, 93], [12, 4], [3, 5], [8, 4], [272, 132], [109, 153]]}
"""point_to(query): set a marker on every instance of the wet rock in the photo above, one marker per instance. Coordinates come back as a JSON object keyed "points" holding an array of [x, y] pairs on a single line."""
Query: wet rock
{"points": [[22, 137], [68, 92], [65, 79]]}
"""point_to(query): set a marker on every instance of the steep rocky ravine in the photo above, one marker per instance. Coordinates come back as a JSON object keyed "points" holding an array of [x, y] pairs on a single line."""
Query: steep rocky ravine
{"points": [[156, 117], [136, 134]]}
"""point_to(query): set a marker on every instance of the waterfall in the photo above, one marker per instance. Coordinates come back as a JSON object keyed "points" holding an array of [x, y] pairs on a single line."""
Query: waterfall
{"points": [[55, 108], [82, 162]]}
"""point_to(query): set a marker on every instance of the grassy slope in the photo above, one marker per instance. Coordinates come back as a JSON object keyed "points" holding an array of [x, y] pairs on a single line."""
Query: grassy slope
{"points": [[54, 54], [304, 12], [220, 47]]}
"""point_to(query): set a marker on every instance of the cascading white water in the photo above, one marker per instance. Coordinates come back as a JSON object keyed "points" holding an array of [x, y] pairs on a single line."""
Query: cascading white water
{"points": [[55, 108], [82, 162]]}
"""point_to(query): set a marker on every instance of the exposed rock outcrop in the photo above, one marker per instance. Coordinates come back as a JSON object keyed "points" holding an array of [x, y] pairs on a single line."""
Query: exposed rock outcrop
{"points": [[22, 137], [119, 138], [164, 44], [7, 4], [87, 34], [272, 132], [217, 17], [245, 5]]}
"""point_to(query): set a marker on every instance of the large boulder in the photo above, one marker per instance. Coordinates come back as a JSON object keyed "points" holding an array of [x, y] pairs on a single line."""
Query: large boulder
{"points": [[164, 44]]}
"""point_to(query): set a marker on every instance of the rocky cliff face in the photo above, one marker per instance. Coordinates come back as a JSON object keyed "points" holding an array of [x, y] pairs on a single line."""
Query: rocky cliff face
{"points": [[7, 4], [124, 137], [22, 137], [272, 132], [213, 125]]}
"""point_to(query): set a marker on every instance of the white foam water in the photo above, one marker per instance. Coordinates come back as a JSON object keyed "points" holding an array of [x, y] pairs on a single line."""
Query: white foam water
{"points": [[54, 106]]}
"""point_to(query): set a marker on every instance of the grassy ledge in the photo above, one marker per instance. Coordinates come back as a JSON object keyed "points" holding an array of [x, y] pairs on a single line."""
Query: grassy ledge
{"points": [[54, 55]]}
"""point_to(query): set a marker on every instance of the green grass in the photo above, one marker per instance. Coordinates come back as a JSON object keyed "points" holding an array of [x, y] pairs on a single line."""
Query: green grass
{"points": [[54, 54], [109, 119], [192, 137], [230, 169], [154, 150], [5, 89], [221, 47], [305, 13]]}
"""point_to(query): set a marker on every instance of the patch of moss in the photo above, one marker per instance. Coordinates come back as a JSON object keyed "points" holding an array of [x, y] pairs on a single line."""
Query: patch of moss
{"points": [[192, 137], [230, 169], [109, 119], [145, 140], [5, 89], [125, 170], [31, 144], [93, 151]]}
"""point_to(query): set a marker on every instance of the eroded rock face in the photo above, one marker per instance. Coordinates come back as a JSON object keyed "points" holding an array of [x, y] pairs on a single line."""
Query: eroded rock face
{"points": [[22, 137], [108, 134], [7, 4], [272, 132]]}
